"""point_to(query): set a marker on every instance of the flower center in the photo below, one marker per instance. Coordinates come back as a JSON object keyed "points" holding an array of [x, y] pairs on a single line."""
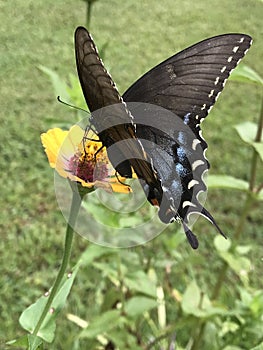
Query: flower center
{"points": [[89, 165]]}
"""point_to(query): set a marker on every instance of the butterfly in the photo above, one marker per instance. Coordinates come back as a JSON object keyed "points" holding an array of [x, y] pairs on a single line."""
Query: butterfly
{"points": [[164, 146]]}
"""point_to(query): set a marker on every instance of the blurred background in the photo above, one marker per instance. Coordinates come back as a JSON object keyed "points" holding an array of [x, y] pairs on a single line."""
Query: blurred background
{"points": [[133, 37]]}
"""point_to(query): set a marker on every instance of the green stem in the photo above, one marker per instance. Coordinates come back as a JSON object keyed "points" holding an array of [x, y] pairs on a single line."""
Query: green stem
{"points": [[75, 205], [88, 12]]}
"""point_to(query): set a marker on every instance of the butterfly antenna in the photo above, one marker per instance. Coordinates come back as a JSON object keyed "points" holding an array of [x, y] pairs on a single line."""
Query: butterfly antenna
{"points": [[72, 106]]}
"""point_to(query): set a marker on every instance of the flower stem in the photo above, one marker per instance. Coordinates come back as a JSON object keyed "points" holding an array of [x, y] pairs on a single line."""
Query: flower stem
{"points": [[75, 205]]}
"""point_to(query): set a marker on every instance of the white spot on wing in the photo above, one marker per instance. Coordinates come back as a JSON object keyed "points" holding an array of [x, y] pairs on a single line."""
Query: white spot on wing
{"points": [[223, 69], [192, 183], [203, 107], [235, 49], [211, 93], [217, 80], [188, 203], [229, 59], [241, 40], [196, 164], [195, 143]]}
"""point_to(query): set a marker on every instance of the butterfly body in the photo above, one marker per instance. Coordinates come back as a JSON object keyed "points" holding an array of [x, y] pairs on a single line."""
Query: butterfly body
{"points": [[163, 144]]}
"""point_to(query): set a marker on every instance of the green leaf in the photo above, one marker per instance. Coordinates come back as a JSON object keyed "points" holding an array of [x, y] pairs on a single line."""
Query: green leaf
{"points": [[259, 148], [243, 73], [29, 342], [102, 323], [34, 342], [60, 87], [247, 131], [138, 305], [139, 281], [258, 347], [191, 298], [29, 318], [232, 347], [222, 244], [196, 303], [225, 181], [239, 264], [93, 252], [243, 249], [123, 339]]}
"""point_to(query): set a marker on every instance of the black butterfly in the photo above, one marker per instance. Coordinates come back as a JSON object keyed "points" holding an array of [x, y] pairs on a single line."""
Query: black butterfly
{"points": [[186, 84]]}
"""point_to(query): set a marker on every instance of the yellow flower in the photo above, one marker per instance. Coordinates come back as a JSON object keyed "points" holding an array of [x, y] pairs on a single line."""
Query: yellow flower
{"points": [[81, 159]]}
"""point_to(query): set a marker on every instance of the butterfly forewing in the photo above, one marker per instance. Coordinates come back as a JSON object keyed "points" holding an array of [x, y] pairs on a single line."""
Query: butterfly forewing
{"points": [[98, 88], [190, 81], [110, 117]]}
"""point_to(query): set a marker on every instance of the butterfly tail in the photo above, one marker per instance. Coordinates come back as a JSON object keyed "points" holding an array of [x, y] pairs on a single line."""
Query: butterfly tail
{"points": [[209, 217], [192, 239]]}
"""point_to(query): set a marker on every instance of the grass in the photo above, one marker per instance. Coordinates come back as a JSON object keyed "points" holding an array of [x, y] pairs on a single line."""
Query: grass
{"points": [[139, 35]]}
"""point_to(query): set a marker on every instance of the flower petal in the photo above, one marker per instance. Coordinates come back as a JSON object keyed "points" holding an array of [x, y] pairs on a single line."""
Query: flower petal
{"points": [[52, 141]]}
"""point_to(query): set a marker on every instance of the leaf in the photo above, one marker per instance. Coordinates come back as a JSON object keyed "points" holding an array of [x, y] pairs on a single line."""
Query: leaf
{"points": [[60, 87], [29, 342], [124, 340], [243, 249], [222, 244], [191, 298], [239, 264], [139, 281], [259, 148], [29, 318], [247, 131], [93, 252], [232, 347], [225, 181], [244, 73], [138, 305], [258, 347], [196, 303], [102, 323]]}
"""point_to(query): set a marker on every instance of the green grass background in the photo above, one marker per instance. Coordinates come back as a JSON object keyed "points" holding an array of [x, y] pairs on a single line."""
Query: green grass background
{"points": [[139, 35]]}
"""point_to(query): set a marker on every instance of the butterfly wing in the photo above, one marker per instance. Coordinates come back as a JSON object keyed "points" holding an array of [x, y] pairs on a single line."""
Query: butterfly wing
{"points": [[188, 85], [97, 85], [114, 123], [190, 81]]}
